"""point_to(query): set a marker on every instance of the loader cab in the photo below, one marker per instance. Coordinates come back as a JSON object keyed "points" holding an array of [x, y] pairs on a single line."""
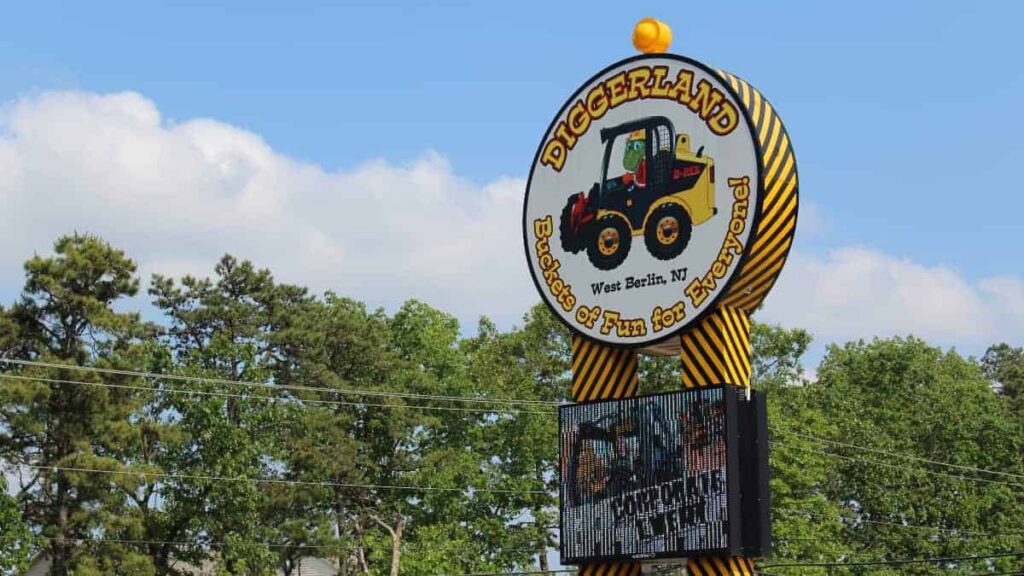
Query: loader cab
{"points": [[657, 136]]}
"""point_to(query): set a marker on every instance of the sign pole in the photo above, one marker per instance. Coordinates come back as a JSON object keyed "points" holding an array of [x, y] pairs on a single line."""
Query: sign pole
{"points": [[601, 372], [659, 211], [717, 352]]}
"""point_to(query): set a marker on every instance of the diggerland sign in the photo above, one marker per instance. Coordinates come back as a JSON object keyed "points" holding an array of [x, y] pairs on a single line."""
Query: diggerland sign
{"points": [[643, 200]]}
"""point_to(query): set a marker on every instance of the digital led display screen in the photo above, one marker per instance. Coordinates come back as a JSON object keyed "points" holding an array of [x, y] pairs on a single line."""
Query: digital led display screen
{"points": [[649, 477]]}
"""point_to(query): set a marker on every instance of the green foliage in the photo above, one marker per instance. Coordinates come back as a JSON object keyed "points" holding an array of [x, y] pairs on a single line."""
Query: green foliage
{"points": [[15, 538], [66, 316], [1004, 365], [383, 475], [904, 400]]}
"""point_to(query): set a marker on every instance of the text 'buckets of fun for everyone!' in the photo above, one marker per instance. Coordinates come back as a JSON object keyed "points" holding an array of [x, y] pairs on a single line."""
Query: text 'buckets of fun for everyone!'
{"points": [[660, 210]]}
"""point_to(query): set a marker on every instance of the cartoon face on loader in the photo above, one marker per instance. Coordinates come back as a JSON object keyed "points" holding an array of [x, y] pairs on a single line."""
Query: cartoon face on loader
{"points": [[633, 159], [665, 191]]}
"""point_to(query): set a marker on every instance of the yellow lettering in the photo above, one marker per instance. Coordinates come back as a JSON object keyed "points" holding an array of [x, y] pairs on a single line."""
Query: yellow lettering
{"points": [[638, 78], [554, 154], [617, 89], [725, 121], [684, 83], [611, 320], [543, 228], [660, 88], [578, 118], [563, 134], [597, 102], [695, 290], [705, 100]]}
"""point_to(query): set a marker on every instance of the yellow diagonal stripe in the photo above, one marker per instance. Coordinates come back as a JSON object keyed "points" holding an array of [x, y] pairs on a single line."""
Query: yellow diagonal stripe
{"points": [[769, 245]]}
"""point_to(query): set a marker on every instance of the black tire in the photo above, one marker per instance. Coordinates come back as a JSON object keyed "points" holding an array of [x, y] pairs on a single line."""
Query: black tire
{"points": [[609, 242], [571, 242], [668, 231]]}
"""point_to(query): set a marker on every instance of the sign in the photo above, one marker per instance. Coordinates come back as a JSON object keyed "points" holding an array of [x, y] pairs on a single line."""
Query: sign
{"points": [[649, 477], [645, 196], [664, 476]]}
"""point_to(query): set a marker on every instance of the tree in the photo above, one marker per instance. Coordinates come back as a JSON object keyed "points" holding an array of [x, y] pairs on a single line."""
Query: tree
{"points": [[337, 345], [877, 416], [47, 422], [531, 365], [16, 539], [1004, 365], [222, 331]]}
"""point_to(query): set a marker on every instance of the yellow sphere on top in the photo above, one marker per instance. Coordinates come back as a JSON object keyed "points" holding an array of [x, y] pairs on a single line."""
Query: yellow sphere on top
{"points": [[651, 36]]}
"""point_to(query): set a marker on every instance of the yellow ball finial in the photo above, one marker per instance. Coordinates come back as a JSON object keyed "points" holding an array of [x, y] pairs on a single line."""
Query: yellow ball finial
{"points": [[651, 36]]}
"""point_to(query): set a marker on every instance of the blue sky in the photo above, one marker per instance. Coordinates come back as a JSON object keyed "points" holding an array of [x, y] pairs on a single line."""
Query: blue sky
{"points": [[904, 117]]}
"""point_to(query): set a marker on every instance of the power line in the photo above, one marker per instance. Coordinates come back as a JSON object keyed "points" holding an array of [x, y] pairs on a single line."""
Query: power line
{"points": [[193, 543], [291, 387], [278, 481], [897, 455], [898, 467], [271, 398], [146, 542], [566, 571], [896, 524], [896, 562]]}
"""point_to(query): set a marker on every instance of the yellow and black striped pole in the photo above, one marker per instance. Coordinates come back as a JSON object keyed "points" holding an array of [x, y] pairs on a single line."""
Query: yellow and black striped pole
{"points": [[717, 352], [601, 372]]}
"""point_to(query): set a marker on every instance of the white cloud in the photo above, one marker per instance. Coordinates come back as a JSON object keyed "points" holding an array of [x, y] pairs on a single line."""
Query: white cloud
{"points": [[860, 293], [177, 196]]}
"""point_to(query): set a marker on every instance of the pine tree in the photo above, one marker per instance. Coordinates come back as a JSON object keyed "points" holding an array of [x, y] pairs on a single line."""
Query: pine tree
{"points": [[66, 317], [226, 329]]}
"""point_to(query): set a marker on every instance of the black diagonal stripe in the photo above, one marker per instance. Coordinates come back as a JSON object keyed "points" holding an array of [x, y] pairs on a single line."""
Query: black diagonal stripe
{"points": [[758, 103], [706, 355], [732, 349], [783, 178], [758, 291], [611, 384], [768, 156], [693, 349], [741, 348], [586, 372], [707, 331], [594, 375], [778, 225]]}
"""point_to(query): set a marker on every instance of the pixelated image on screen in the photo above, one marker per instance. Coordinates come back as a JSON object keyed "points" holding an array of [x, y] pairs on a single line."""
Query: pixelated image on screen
{"points": [[644, 477]]}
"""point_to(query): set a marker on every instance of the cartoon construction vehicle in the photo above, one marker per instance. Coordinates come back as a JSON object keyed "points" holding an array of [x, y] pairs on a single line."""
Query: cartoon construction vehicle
{"points": [[665, 191], [619, 452]]}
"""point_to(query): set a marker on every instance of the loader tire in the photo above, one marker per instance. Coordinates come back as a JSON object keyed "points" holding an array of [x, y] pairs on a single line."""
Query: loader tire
{"points": [[572, 242], [668, 231], [609, 243]]}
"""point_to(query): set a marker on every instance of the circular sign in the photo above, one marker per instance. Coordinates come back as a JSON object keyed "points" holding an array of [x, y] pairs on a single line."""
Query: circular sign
{"points": [[644, 199]]}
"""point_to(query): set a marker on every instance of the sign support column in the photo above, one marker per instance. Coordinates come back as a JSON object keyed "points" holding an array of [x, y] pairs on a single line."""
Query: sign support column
{"points": [[717, 352], [601, 372]]}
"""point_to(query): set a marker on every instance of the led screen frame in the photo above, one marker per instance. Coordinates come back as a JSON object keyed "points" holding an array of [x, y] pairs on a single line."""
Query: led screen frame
{"points": [[639, 475]]}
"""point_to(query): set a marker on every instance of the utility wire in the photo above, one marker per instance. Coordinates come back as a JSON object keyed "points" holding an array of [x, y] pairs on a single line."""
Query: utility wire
{"points": [[272, 398], [844, 519], [291, 387], [505, 401], [271, 545], [919, 469], [192, 543], [896, 455], [566, 571], [277, 481], [897, 562]]}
